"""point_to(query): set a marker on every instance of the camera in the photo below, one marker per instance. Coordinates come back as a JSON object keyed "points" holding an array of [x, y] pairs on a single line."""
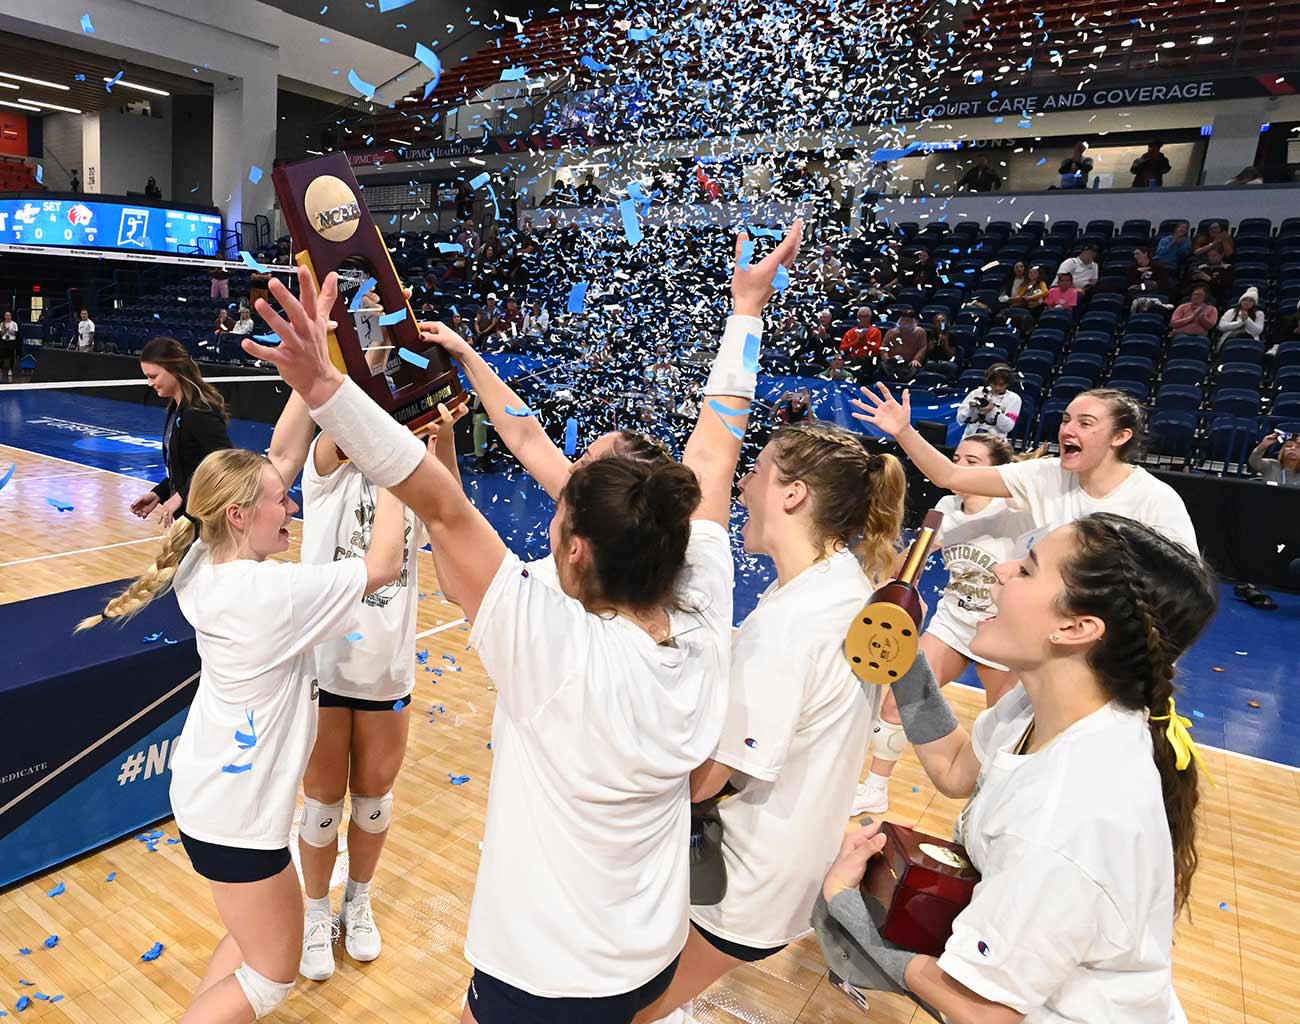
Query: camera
{"points": [[980, 399], [794, 407]]}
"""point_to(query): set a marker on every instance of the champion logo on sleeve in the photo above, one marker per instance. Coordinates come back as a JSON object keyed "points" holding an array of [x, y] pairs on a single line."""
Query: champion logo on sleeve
{"points": [[523, 573], [983, 947], [751, 742]]}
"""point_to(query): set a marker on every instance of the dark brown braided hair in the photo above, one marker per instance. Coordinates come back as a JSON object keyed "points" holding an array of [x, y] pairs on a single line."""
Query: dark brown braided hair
{"points": [[1155, 597]]}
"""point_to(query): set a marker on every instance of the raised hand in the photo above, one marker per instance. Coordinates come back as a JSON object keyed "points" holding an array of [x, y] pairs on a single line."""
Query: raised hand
{"points": [[302, 357], [434, 332], [751, 286], [883, 411]]}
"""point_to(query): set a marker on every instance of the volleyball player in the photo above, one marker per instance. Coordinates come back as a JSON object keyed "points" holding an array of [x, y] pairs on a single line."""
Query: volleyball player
{"points": [[798, 719], [1101, 431], [366, 679], [609, 692], [1082, 788], [977, 534], [195, 424], [250, 729]]}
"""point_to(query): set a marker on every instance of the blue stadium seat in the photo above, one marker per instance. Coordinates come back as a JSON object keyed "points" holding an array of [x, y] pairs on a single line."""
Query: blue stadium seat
{"points": [[1137, 388], [1049, 338], [1178, 396], [1083, 364], [1239, 375], [1146, 323], [1236, 402], [1059, 319], [1288, 354], [1242, 352], [1028, 410], [1231, 437], [1172, 431], [1049, 422], [983, 357], [1189, 346], [970, 380], [1286, 405], [1287, 380], [1037, 362], [1068, 387], [1030, 385], [1141, 346], [1093, 342], [1136, 227], [1109, 301], [1132, 368], [1185, 371], [1254, 227]]}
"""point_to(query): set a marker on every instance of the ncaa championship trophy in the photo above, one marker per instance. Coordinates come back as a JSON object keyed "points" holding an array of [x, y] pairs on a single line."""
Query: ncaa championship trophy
{"points": [[332, 230]]}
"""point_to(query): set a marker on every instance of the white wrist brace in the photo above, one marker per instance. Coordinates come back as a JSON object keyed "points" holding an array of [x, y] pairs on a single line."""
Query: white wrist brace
{"points": [[384, 450], [735, 368]]}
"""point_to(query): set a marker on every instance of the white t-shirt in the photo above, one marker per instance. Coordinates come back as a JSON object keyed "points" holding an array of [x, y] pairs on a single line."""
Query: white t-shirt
{"points": [[251, 727], [85, 335], [972, 545], [338, 515], [584, 882], [1073, 917], [998, 417], [798, 724], [1083, 274], [1053, 497]]}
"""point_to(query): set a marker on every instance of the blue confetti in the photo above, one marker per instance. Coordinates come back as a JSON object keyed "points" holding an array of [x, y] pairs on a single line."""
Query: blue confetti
{"points": [[514, 74], [354, 637], [40, 174], [884, 156], [61, 506], [1223, 906], [480, 180], [448, 657], [570, 437], [267, 339], [641, 35], [227, 769], [24, 981], [578, 297], [398, 705], [360, 84], [108, 86], [153, 952], [255, 174], [450, 247], [111, 876], [522, 412], [169, 641], [753, 343], [781, 279], [173, 842], [51, 942], [58, 890], [247, 740], [395, 317], [631, 226], [746, 254], [391, 5], [366, 288], [23, 1003], [1198, 714], [24, 951], [252, 263], [152, 638], [87, 25], [592, 64], [325, 40], [41, 996], [80, 77], [430, 60], [414, 358], [9, 475], [458, 780], [422, 657]]}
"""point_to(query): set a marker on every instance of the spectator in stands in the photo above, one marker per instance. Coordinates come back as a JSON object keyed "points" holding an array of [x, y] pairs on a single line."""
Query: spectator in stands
{"points": [[244, 325], [1064, 295], [489, 274], [513, 319], [537, 321], [980, 177], [1246, 176], [1283, 470], [941, 348], [10, 347], [993, 408], [1082, 269], [1148, 276], [588, 193], [829, 273], [1211, 272], [85, 332], [464, 201], [1032, 292], [224, 324], [488, 321], [75, 184], [1150, 168], [820, 340], [917, 273], [1196, 316], [259, 287], [220, 283], [861, 343], [151, 189], [1215, 236], [1075, 168], [904, 349], [1015, 283], [1244, 322], [835, 370], [1174, 248]]}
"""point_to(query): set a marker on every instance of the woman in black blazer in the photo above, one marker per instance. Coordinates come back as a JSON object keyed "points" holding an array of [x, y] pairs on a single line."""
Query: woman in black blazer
{"points": [[196, 424]]}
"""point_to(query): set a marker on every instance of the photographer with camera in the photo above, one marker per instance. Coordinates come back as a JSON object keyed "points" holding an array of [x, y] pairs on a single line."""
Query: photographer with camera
{"points": [[993, 408], [1284, 469]]}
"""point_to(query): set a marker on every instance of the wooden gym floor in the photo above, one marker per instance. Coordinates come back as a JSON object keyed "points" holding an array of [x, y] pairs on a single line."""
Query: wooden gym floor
{"points": [[1236, 958]]}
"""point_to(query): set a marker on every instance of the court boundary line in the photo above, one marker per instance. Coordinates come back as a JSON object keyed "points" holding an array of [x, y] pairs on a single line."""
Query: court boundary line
{"points": [[99, 742], [1203, 746], [82, 465], [80, 551]]}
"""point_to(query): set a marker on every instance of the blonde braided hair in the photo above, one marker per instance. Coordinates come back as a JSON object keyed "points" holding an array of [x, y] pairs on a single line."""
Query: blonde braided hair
{"points": [[231, 476]]}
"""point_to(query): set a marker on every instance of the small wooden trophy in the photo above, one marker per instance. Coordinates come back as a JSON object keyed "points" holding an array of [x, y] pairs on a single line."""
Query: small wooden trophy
{"points": [[915, 888], [332, 230], [882, 642]]}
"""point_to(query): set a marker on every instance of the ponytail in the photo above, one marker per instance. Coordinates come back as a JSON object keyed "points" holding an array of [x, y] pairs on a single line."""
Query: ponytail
{"points": [[155, 580], [1155, 597], [886, 504]]}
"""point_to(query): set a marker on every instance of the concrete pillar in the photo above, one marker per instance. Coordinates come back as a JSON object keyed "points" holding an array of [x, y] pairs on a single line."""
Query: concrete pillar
{"points": [[1235, 138], [93, 167], [243, 137]]}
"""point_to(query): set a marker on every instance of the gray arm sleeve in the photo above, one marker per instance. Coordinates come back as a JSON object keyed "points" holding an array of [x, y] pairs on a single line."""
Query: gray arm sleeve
{"points": [[926, 715]]}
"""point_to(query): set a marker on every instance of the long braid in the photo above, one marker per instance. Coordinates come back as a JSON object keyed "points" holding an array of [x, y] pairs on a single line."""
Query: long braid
{"points": [[1155, 598], [153, 582]]}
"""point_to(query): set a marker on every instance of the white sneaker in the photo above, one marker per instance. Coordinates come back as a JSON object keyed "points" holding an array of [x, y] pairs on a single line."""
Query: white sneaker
{"points": [[361, 933], [872, 796], [319, 933]]}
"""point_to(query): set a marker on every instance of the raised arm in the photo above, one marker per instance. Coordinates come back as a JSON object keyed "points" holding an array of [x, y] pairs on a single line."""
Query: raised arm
{"points": [[885, 413], [291, 439], [523, 435], [388, 454], [713, 448]]}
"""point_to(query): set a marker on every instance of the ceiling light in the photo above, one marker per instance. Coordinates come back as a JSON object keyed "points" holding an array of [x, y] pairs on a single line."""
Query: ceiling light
{"points": [[142, 88], [50, 106], [20, 106], [34, 81]]}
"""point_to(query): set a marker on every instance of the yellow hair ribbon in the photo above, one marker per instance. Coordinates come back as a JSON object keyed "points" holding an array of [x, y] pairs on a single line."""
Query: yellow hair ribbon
{"points": [[1180, 738]]}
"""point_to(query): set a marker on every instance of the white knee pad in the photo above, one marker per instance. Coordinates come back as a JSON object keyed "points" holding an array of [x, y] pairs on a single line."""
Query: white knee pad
{"points": [[320, 823], [889, 743], [263, 994], [372, 813]]}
